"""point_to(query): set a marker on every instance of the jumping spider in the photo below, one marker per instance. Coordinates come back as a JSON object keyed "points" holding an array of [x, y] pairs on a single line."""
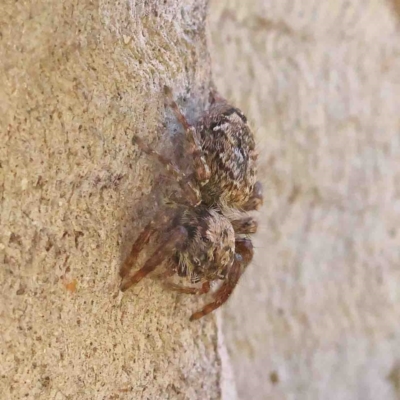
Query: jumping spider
{"points": [[207, 236]]}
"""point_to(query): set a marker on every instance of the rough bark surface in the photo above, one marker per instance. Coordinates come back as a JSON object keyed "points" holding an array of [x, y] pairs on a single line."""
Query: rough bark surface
{"points": [[317, 315], [77, 80]]}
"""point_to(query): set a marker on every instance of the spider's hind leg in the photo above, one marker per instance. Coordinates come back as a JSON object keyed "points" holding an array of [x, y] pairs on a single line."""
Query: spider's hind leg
{"points": [[201, 169], [192, 194]]}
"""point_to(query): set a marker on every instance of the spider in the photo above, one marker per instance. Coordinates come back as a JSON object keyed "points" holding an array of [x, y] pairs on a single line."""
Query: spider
{"points": [[206, 237]]}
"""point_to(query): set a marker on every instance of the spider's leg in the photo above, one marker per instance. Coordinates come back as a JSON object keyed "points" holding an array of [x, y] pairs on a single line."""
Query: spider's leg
{"points": [[205, 288], [166, 274], [137, 247], [161, 219], [223, 293], [202, 171], [256, 199], [192, 194], [245, 226], [174, 240], [172, 270], [243, 256]]}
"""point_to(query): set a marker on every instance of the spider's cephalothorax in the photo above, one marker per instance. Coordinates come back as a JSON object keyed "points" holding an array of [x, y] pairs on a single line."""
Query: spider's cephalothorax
{"points": [[208, 240], [210, 246]]}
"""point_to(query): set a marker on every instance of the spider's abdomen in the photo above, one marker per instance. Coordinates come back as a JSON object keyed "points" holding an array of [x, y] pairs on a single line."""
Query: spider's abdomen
{"points": [[229, 149]]}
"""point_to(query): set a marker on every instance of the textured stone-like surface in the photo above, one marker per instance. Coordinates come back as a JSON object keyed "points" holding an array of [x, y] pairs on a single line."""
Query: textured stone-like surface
{"points": [[317, 315], [77, 79]]}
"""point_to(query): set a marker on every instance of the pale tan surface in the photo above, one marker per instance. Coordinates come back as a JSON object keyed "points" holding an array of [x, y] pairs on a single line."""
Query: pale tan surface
{"points": [[77, 78], [317, 315]]}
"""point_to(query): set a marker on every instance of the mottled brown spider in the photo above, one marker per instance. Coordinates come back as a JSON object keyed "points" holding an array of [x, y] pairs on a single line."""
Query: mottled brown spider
{"points": [[206, 237]]}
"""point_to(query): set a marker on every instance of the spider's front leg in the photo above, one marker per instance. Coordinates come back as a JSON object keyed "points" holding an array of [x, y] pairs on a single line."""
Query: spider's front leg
{"points": [[205, 288], [172, 241], [243, 257], [245, 226], [170, 271], [137, 247]]}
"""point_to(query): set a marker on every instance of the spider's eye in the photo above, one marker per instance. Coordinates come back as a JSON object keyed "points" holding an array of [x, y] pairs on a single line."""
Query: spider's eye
{"points": [[206, 239]]}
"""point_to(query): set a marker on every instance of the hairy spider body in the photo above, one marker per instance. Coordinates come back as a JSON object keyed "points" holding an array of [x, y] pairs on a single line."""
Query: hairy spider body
{"points": [[207, 238], [229, 150], [211, 245]]}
